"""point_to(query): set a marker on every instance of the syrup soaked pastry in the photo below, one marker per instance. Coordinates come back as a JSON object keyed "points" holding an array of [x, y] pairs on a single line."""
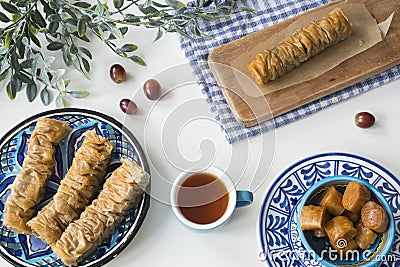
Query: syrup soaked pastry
{"points": [[301, 46], [121, 191], [76, 190], [28, 187]]}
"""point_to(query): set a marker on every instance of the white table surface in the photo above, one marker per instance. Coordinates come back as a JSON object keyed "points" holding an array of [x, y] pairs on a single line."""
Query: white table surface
{"points": [[162, 240]]}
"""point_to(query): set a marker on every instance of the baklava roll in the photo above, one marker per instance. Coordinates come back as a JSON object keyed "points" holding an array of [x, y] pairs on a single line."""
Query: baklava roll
{"points": [[76, 190], [121, 192], [301, 46], [28, 187]]}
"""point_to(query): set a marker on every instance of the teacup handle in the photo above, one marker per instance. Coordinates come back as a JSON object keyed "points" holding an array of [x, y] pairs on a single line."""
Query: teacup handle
{"points": [[243, 198]]}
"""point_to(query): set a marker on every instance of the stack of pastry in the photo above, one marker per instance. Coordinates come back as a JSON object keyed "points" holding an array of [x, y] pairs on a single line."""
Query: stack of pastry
{"points": [[301, 46], [72, 222], [28, 187]]}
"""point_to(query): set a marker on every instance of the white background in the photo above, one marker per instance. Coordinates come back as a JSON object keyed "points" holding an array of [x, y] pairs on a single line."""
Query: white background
{"points": [[162, 240]]}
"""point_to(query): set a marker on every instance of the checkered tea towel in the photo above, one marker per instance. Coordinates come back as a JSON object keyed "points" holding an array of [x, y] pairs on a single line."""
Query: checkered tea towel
{"points": [[238, 25]]}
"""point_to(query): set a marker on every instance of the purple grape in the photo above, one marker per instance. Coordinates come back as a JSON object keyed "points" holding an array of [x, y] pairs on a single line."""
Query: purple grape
{"points": [[128, 106], [152, 89], [364, 119], [117, 73]]}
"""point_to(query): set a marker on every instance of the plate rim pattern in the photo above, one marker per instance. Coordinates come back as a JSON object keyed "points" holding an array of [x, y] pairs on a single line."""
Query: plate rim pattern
{"points": [[107, 119], [293, 168]]}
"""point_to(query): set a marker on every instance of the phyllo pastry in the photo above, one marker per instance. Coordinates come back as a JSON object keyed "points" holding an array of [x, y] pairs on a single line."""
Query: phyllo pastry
{"points": [[76, 190], [29, 184], [301, 46], [121, 192]]}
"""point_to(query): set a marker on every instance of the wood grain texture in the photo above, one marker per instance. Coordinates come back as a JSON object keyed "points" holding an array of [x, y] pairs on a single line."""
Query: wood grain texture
{"points": [[376, 59]]}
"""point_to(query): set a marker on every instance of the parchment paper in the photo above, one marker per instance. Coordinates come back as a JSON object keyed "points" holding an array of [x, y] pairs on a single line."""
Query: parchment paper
{"points": [[366, 34]]}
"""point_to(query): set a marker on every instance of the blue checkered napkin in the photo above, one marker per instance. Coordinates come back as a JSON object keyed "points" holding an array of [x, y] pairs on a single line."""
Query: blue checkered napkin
{"points": [[228, 29]]}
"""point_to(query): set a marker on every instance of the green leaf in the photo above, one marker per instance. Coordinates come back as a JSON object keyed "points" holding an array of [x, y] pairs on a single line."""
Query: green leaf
{"points": [[85, 51], [34, 68], [79, 94], [123, 30], [46, 79], [60, 73], [8, 38], [25, 41], [247, 9], [86, 65], [4, 18], [54, 46], [148, 10], [67, 57], [73, 49], [138, 60], [177, 5], [15, 17], [11, 92], [49, 61], [99, 31], [60, 85], [27, 64], [81, 4], [34, 39], [39, 19], [183, 33], [60, 101], [199, 3], [45, 96], [159, 4], [115, 31], [14, 63], [70, 12], [129, 48], [54, 18], [16, 84], [9, 7], [23, 77], [21, 49], [81, 27], [53, 26], [83, 38], [31, 91], [118, 3], [131, 18], [159, 34], [3, 75]]}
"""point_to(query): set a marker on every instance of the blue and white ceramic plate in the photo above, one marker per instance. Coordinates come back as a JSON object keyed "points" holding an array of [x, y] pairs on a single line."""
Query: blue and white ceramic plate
{"points": [[280, 243], [23, 250]]}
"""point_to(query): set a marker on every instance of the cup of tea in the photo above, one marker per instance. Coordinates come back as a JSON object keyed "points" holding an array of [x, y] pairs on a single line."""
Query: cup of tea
{"points": [[204, 200]]}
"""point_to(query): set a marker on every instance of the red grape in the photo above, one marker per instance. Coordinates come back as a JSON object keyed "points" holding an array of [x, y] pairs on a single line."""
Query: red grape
{"points": [[152, 89], [128, 106], [364, 119], [117, 73]]}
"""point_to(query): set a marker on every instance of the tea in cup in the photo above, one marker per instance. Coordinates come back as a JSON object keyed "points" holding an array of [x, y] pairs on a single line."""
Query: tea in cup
{"points": [[206, 199]]}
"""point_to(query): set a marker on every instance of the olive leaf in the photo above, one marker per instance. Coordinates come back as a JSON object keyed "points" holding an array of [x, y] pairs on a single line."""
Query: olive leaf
{"points": [[31, 91], [9, 7], [79, 94], [30, 27], [45, 96], [129, 47]]}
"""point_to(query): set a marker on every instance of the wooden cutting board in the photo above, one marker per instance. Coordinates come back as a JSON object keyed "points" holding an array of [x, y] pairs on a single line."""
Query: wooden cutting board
{"points": [[376, 59]]}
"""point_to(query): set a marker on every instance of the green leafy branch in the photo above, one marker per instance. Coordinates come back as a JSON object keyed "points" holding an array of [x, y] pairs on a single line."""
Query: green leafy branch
{"points": [[63, 25]]}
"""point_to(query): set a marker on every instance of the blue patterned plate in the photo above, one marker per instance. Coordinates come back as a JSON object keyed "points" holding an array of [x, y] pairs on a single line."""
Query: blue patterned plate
{"points": [[23, 250], [278, 235]]}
